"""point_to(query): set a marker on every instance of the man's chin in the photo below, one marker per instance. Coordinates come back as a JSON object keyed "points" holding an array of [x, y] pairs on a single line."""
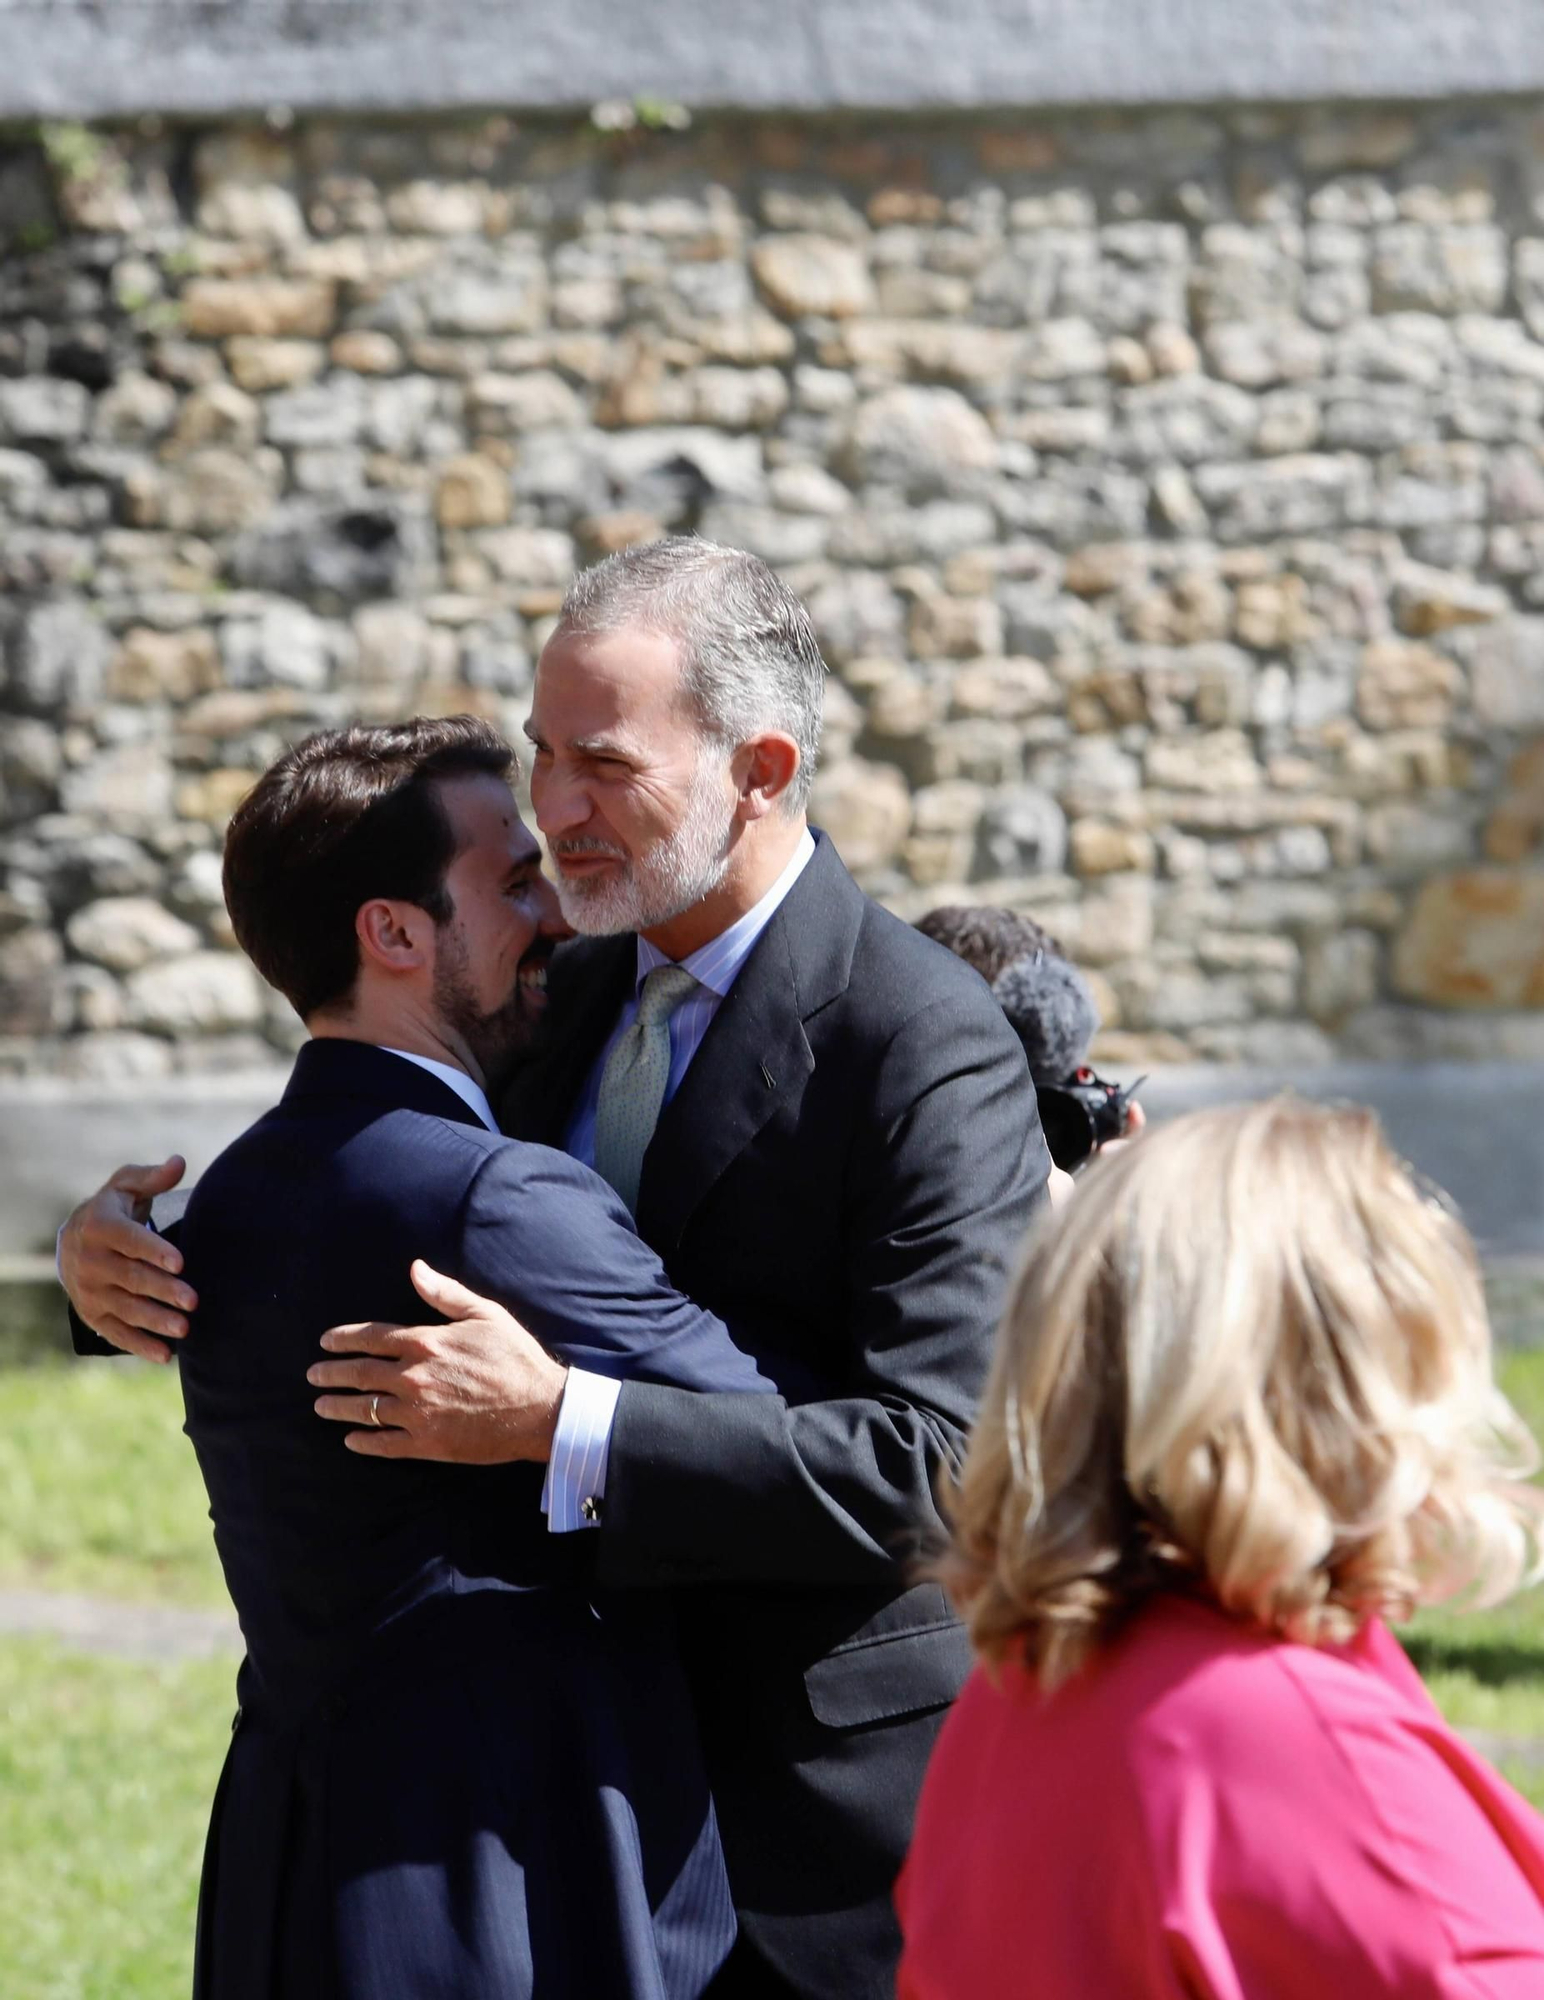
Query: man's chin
{"points": [[592, 914]]}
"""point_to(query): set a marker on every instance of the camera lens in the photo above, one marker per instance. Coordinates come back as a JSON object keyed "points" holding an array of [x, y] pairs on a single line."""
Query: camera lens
{"points": [[1067, 1123]]}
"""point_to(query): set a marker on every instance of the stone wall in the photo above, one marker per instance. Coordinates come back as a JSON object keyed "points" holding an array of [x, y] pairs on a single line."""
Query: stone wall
{"points": [[1168, 489]]}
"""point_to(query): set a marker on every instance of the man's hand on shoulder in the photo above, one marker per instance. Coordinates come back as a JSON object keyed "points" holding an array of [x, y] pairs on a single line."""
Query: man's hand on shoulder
{"points": [[121, 1277], [478, 1391]]}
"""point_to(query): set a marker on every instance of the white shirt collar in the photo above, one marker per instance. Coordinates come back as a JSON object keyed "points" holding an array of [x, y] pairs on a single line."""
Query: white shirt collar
{"points": [[717, 963], [466, 1088]]}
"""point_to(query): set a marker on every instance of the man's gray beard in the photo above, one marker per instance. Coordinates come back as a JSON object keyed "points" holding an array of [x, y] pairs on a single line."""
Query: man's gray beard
{"points": [[673, 876]]}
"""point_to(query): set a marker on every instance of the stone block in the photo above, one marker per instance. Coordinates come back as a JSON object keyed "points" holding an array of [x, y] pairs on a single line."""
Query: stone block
{"points": [[1111, 923], [504, 405], [253, 215], [926, 350], [329, 412], [472, 492], [42, 409], [1297, 495], [483, 301], [1340, 975], [210, 492], [397, 415], [30, 962], [920, 440], [1098, 848], [803, 276], [1406, 838], [164, 666], [137, 409], [1023, 832], [1006, 690], [353, 550], [391, 645], [1429, 601], [736, 399], [56, 659], [213, 796], [1516, 827], [366, 352], [1447, 270], [856, 614], [1222, 760], [1255, 354], [285, 643], [955, 627], [125, 932], [130, 785], [1187, 420], [270, 308], [1475, 938], [1403, 685], [866, 809], [1506, 672], [206, 992], [30, 762]]}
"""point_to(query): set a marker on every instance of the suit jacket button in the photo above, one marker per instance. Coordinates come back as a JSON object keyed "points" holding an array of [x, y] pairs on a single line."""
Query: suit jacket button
{"points": [[590, 1508]]}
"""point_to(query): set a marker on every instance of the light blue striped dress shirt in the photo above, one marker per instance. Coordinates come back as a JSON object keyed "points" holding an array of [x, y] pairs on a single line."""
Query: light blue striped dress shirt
{"points": [[577, 1473]]}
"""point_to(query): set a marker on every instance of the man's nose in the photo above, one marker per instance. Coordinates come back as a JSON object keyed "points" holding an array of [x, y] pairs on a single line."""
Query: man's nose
{"points": [[559, 801]]}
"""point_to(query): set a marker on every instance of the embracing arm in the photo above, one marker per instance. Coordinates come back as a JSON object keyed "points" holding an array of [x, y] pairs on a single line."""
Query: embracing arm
{"points": [[544, 1238], [550, 1240], [946, 1169], [121, 1276]]}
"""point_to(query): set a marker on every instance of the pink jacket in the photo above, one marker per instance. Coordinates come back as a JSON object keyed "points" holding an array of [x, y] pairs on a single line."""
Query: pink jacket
{"points": [[1206, 1812]]}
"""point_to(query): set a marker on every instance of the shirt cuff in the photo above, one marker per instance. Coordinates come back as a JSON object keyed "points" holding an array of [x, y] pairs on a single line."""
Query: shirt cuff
{"points": [[581, 1444]]}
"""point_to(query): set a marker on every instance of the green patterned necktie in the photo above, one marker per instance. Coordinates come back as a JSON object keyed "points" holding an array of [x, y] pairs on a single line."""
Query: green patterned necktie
{"points": [[632, 1087]]}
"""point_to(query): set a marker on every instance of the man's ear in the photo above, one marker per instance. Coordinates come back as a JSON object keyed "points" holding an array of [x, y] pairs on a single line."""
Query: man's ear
{"points": [[764, 768], [397, 937]]}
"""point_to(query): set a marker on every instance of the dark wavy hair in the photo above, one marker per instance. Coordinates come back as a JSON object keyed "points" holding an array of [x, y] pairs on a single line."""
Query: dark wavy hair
{"points": [[345, 816], [987, 936]]}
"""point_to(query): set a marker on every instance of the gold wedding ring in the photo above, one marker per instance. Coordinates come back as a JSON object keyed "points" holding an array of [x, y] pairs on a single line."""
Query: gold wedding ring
{"points": [[375, 1412]]}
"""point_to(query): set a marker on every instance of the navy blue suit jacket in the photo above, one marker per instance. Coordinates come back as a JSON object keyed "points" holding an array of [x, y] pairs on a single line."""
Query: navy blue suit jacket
{"points": [[457, 1768]]}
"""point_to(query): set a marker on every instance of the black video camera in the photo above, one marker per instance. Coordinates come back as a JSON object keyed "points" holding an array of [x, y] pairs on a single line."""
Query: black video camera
{"points": [[1078, 1116]]}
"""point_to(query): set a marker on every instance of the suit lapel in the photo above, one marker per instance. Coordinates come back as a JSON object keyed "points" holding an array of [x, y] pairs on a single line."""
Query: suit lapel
{"points": [[755, 1055]]}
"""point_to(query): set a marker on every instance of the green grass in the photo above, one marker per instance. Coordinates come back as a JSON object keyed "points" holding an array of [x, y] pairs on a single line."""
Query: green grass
{"points": [[107, 1766], [107, 1769], [99, 1489], [1485, 1669]]}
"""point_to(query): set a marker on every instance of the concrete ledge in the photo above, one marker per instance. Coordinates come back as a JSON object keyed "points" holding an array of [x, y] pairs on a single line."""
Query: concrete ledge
{"points": [[59, 1140], [1474, 1128], [78, 58]]}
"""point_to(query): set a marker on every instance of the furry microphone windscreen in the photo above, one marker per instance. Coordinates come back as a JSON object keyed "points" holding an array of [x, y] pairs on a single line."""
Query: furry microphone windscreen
{"points": [[1051, 1010]]}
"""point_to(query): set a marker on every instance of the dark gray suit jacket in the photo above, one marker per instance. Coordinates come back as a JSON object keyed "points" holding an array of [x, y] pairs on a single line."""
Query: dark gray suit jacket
{"points": [[844, 1176]]}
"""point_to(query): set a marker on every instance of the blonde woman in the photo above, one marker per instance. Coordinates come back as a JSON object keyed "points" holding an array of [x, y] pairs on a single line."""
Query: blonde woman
{"points": [[1241, 1418]]}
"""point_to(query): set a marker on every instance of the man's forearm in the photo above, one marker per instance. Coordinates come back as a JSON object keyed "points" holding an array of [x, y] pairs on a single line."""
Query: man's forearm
{"points": [[724, 1488]]}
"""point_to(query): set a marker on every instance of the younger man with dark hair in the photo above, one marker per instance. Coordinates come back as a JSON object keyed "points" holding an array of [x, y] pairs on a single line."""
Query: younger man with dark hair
{"points": [[535, 1818]]}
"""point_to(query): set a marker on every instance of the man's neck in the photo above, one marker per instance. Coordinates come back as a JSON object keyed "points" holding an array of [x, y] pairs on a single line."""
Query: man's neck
{"points": [[751, 873]]}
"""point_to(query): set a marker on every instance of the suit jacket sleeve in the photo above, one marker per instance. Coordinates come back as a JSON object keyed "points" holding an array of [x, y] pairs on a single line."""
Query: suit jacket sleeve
{"points": [[554, 1243], [944, 1176]]}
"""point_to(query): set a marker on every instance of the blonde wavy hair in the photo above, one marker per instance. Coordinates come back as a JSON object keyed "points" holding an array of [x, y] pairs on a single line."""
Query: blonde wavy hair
{"points": [[1250, 1359]]}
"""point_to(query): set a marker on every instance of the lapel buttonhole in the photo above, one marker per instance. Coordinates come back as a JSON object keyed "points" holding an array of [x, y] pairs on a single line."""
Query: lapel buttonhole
{"points": [[768, 1078]]}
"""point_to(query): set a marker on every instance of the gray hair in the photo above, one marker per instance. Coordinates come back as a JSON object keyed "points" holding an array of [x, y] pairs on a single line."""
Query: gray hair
{"points": [[751, 660]]}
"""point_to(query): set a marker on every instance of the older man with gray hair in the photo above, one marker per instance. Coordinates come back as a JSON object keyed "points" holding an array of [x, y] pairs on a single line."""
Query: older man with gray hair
{"points": [[825, 1128]]}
